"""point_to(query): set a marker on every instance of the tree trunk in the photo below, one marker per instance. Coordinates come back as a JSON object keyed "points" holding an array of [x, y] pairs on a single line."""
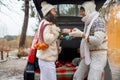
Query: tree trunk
{"points": [[2, 55], [25, 25], [21, 51]]}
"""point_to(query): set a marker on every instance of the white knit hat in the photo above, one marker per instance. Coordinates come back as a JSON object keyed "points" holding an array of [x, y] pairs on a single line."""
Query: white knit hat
{"points": [[89, 7], [46, 7]]}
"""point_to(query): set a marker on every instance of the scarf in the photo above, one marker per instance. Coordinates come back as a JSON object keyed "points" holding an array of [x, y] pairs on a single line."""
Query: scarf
{"points": [[84, 47], [37, 36]]}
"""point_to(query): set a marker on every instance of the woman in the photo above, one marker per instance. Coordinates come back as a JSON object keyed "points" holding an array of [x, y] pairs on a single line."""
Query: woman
{"points": [[48, 56], [93, 47]]}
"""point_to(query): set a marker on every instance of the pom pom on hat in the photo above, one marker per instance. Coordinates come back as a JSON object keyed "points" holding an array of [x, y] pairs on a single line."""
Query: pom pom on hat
{"points": [[46, 7], [43, 3]]}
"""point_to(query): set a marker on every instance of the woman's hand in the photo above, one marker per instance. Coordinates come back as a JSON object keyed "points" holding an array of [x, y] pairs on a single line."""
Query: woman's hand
{"points": [[76, 33], [66, 31]]}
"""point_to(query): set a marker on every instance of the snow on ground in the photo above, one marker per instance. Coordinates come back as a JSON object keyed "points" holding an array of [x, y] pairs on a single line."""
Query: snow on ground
{"points": [[12, 68]]}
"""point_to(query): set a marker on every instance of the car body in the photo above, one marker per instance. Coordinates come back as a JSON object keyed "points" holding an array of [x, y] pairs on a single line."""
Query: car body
{"points": [[70, 48]]}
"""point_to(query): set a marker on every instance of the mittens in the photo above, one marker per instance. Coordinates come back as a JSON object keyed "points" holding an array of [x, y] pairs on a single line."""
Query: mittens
{"points": [[65, 31], [76, 33]]}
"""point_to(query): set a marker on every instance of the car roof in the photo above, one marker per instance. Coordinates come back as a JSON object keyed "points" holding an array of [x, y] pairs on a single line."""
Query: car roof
{"points": [[37, 3]]}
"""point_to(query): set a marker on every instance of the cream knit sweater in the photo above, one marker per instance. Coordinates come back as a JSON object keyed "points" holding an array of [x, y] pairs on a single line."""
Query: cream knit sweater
{"points": [[50, 35]]}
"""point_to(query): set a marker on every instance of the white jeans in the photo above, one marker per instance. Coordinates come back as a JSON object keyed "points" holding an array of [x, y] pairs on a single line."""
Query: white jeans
{"points": [[95, 69], [48, 70]]}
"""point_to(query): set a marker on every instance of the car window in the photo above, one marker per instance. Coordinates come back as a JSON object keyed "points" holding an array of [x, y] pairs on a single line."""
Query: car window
{"points": [[68, 9]]}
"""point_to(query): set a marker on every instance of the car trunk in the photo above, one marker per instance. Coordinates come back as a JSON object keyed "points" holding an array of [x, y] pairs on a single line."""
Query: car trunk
{"points": [[70, 48]]}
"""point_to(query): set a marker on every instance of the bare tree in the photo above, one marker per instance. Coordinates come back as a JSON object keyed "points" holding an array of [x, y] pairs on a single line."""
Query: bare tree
{"points": [[25, 25], [1, 3]]}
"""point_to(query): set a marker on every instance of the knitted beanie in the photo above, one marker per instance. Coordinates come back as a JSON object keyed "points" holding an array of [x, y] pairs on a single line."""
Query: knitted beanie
{"points": [[46, 7], [89, 7]]}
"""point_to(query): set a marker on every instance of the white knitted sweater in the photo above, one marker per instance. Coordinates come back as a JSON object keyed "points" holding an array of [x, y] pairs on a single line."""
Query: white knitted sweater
{"points": [[50, 35], [98, 37]]}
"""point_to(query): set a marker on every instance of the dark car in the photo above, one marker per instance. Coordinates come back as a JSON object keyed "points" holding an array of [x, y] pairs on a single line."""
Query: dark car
{"points": [[68, 17]]}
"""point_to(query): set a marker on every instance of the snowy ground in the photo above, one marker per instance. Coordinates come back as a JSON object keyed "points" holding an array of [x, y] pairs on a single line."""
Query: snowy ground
{"points": [[12, 68]]}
